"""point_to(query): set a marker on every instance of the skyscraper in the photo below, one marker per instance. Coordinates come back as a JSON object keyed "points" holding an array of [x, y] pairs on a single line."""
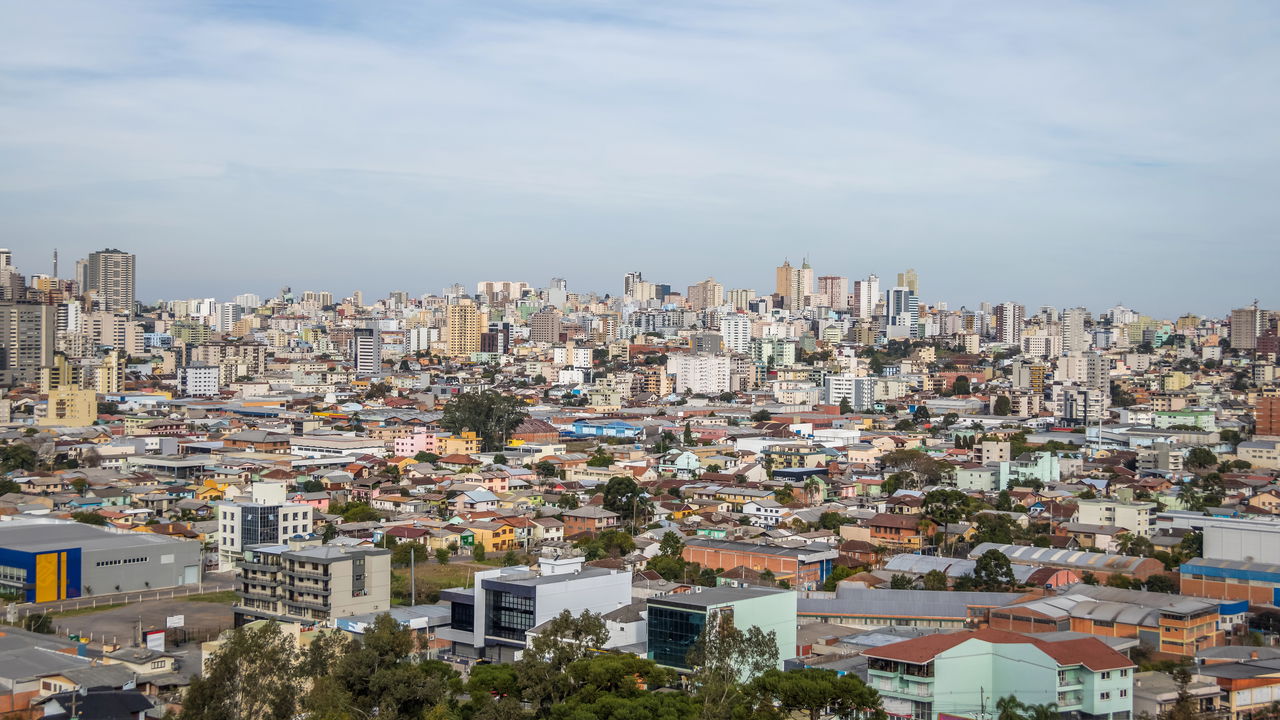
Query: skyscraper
{"points": [[866, 293], [1009, 319], [1246, 326], [706, 294], [544, 326], [109, 275], [366, 351], [736, 330], [793, 283], [1074, 338], [836, 290], [463, 320], [630, 281], [26, 341], [910, 281], [902, 313]]}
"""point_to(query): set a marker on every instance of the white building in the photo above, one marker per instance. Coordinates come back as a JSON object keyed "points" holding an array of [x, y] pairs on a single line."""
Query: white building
{"points": [[256, 523], [700, 373], [860, 391], [736, 331], [1138, 518], [200, 380]]}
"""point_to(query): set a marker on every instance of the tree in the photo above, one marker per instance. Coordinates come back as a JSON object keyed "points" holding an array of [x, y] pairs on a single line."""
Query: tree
{"points": [[993, 572], [491, 415], [761, 416], [563, 640], [722, 656], [935, 580], [545, 469], [509, 559], [426, 457], [88, 518], [838, 573], [499, 459], [404, 551], [1161, 584], [623, 495], [252, 675], [1009, 708], [831, 521], [477, 552], [815, 692], [600, 458], [1201, 457], [846, 408], [80, 485], [1003, 406], [442, 556], [901, 582], [671, 545], [961, 386], [39, 623], [17, 456]]}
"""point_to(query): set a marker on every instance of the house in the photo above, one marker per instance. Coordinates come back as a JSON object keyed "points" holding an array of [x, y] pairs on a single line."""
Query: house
{"points": [[589, 519], [764, 513], [901, 531]]}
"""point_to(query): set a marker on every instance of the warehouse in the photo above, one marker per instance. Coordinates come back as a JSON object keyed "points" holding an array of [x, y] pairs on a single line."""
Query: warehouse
{"points": [[45, 559]]}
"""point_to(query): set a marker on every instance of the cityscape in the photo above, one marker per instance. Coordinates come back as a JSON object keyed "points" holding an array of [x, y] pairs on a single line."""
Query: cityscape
{"points": [[700, 360]]}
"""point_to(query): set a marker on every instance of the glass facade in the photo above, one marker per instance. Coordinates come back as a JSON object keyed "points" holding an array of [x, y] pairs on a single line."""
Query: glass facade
{"points": [[508, 616], [672, 634], [462, 616], [260, 525]]}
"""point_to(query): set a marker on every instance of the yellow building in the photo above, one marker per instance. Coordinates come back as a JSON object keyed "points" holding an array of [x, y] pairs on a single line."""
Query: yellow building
{"points": [[463, 321], [464, 443], [71, 407]]}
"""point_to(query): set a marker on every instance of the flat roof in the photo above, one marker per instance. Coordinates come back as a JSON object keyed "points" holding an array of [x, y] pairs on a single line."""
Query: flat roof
{"points": [[40, 535], [707, 597]]}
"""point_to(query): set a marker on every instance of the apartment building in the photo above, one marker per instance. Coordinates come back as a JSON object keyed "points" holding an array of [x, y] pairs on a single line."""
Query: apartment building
{"points": [[700, 373], [242, 525], [963, 674], [1138, 518], [309, 583]]}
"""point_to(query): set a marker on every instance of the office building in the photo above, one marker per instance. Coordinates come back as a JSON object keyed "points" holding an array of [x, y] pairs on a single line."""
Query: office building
{"points": [[902, 313], [267, 520], [311, 584], [463, 328], [963, 674], [70, 406], [793, 283], [676, 620], [109, 276], [26, 341], [366, 351], [44, 559], [491, 620]]}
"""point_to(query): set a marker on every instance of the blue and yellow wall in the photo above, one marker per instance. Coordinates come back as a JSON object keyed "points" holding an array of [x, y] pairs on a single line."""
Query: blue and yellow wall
{"points": [[50, 575]]}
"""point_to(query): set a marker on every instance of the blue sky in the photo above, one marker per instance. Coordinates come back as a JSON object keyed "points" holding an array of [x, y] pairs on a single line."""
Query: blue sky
{"points": [[1048, 153]]}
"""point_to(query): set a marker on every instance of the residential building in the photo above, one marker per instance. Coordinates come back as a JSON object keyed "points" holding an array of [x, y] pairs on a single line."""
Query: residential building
{"points": [[706, 294], [676, 620], [1009, 320], [366, 351], [70, 407], [963, 674], [463, 328], [702, 374], [544, 326], [200, 380], [26, 341], [836, 291], [262, 522], [109, 276], [736, 331], [1138, 518], [311, 583], [589, 520]]}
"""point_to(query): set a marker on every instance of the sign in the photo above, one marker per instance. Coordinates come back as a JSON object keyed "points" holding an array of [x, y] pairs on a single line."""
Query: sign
{"points": [[155, 640], [175, 621]]}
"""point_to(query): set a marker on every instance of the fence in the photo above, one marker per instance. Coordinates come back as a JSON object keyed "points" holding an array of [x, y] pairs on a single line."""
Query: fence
{"points": [[17, 612]]}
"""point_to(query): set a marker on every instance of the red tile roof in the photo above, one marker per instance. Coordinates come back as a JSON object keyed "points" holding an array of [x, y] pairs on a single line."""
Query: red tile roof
{"points": [[1089, 652]]}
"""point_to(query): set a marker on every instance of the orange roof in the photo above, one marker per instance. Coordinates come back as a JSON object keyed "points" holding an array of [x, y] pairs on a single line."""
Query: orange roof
{"points": [[1089, 652]]}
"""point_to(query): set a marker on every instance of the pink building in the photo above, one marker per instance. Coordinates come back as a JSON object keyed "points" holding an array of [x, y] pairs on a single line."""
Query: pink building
{"points": [[420, 441]]}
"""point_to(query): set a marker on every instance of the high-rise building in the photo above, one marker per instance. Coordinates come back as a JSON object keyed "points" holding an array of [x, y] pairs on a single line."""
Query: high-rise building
{"points": [[249, 301], [109, 275], [6, 258], [1266, 417], [793, 283], [366, 351], [866, 293], [545, 326], [1074, 338], [910, 281], [736, 330], [26, 341], [463, 328], [836, 291], [706, 294], [1009, 320], [630, 281], [1246, 326], [739, 298], [902, 313]]}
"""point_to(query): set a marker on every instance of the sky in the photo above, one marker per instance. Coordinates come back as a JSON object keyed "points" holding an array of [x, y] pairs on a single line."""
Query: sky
{"points": [[1057, 153]]}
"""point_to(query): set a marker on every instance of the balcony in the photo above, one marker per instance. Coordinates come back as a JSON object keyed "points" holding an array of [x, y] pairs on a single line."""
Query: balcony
{"points": [[247, 594], [260, 567], [313, 604], [316, 574]]}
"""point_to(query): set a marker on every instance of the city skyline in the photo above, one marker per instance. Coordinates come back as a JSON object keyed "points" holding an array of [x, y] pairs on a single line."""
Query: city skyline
{"points": [[1049, 156]]}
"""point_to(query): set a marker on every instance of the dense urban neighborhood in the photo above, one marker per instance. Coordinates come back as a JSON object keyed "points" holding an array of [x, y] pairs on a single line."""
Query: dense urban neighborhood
{"points": [[827, 499]]}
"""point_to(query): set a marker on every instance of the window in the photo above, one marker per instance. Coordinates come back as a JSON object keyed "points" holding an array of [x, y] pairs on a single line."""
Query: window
{"points": [[1106, 675], [157, 664], [1104, 695], [1124, 693], [1124, 673]]}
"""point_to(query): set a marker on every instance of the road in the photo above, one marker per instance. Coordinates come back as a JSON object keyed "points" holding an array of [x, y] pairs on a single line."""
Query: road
{"points": [[213, 582]]}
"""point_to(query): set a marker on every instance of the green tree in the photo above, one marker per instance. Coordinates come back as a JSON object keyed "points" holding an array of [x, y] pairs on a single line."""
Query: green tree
{"points": [[562, 641], [815, 693], [838, 573], [509, 559], [935, 580], [761, 416], [993, 572], [426, 457], [1201, 457], [490, 414], [442, 556], [722, 656], [1009, 708], [961, 386], [600, 458], [1003, 406], [846, 408], [88, 518], [17, 456], [901, 582], [478, 552], [671, 545], [623, 495], [39, 623], [252, 675], [403, 551]]}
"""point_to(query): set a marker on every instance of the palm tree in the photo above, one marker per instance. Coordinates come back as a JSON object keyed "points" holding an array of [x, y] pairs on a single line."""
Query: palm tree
{"points": [[1047, 711], [811, 486], [1009, 708]]}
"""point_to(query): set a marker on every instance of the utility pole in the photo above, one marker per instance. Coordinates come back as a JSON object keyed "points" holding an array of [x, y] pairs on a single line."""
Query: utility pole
{"points": [[413, 576]]}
